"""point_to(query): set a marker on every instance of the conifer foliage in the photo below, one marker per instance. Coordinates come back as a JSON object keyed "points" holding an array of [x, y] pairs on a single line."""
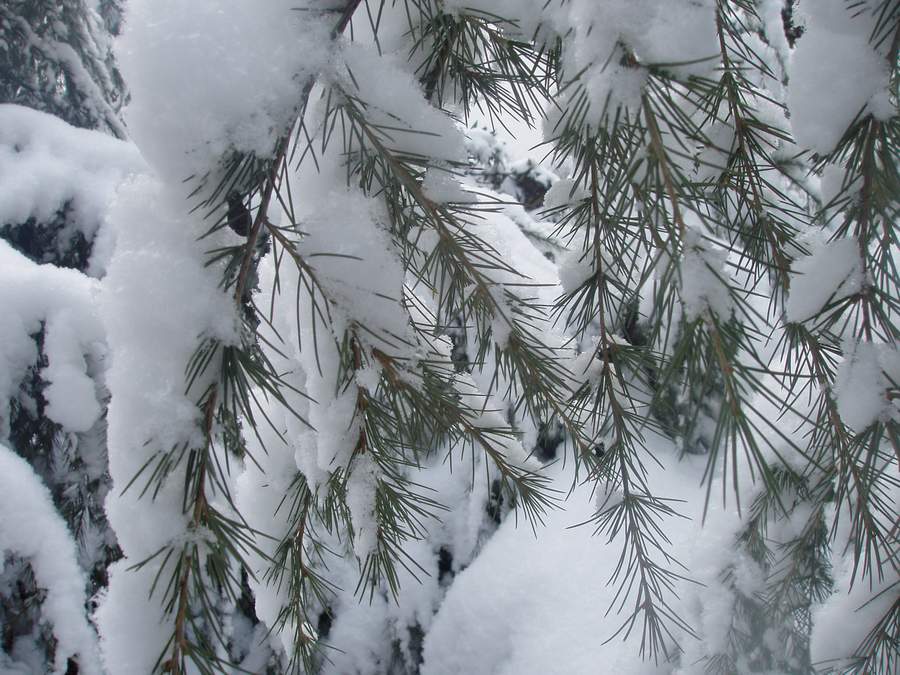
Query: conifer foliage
{"points": [[304, 369]]}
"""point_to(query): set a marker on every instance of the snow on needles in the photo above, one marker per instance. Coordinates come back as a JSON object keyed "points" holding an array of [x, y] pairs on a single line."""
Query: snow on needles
{"points": [[862, 383], [395, 105], [830, 273], [703, 279], [606, 44], [159, 300], [835, 72], [842, 622], [62, 300], [359, 269], [48, 166], [214, 75], [31, 527], [538, 604], [206, 78]]}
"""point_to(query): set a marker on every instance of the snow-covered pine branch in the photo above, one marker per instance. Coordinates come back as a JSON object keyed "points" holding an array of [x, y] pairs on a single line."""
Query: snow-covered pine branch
{"points": [[343, 336]]}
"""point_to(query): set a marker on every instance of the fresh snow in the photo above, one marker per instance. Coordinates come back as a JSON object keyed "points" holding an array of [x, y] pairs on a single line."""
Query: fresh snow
{"points": [[47, 166], [31, 527], [830, 273], [861, 386], [844, 619], [704, 279], [538, 602], [835, 72], [63, 301], [216, 77], [157, 301]]}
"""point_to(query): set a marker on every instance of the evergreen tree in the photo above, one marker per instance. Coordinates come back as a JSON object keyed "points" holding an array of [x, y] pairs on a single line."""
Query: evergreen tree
{"points": [[54, 58], [350, 340]]}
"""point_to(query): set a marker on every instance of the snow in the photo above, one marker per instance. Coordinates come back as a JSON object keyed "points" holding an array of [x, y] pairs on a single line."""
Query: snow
{"points": [[484, 146], [576, 268], [704, 279], [519, 603], [837, 185], [260, 490], [830, 273], [534, 603], [651, 32], [31, 527], [860, 387], [261, 486], [70, 394], [441, 185], [529, 14], [362, 483], [369, 376], [844, 619], [215, 75], [365, 631], [835, 72], [363, 278], [395, 101], [356, 263], [158, 301], [598, 40], [132, 627], [564, 192], [82, 72], [770, 14], [61, 299], [47, 165]]}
